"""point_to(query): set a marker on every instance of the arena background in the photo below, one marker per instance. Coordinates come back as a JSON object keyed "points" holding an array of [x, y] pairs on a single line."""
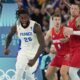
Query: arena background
{"points": [[7, 63]]}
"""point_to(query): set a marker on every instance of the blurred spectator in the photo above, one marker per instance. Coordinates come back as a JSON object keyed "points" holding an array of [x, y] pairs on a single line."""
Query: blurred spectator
{"points": [[28, 3], [22, 4], [45, 24], [46, 59], [37, 16], [64, 10], [19, 3], [63, 6], [77, 2], [55, 3], [50, 12], [71, 1], [35, 11]]}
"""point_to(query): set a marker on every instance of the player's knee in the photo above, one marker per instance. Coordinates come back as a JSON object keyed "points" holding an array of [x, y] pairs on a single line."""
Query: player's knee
{"points": [[48, 75], [63, 72]]}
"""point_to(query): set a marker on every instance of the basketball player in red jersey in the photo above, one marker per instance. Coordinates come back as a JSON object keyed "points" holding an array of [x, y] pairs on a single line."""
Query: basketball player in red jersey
{"points": [[74, 23], [59, 35], [60, 40]]}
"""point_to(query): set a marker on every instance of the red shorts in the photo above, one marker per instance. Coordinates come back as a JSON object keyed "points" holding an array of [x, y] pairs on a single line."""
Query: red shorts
{"points": [[60, 60], [75, 61]]}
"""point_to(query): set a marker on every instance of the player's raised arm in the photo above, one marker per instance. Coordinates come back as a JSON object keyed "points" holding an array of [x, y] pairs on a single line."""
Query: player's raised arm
{"points": [[8, 39]]}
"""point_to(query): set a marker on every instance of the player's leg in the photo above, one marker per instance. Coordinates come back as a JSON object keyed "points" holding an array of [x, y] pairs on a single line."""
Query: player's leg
{"points": [[64, 72], [29, 74], [20, 66], [74, 73], [50, 73], [30, 71], [19, 74], [58, 75]]}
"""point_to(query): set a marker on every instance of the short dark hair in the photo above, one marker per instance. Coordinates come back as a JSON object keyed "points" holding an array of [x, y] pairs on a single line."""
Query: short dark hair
{"points": [[22, 11], [57, 15]]}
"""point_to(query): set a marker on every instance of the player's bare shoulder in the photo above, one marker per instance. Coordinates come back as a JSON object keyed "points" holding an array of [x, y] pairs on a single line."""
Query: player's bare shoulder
{"points": [[37, 27]]}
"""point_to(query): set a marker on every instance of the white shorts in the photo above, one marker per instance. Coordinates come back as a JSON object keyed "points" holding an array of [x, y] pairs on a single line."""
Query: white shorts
{"points": [[74, 73], [22, 64]]}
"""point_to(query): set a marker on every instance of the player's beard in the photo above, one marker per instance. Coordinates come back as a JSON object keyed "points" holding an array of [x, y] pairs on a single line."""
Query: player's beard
{"points": [[24, 25]]}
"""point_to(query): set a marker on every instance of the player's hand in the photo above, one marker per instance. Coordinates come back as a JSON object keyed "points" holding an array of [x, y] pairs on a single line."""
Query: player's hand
{"points": [[6, 51], [64, 40], [31, 62]]}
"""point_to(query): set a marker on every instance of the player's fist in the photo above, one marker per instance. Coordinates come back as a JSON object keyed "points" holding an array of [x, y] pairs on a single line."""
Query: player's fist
{"points": [[64, 40], [6, 51], [31, 62]]}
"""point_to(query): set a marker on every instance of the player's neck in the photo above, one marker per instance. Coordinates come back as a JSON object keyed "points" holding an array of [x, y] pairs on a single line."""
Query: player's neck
{"points": [[57, 30], [72, 17]]}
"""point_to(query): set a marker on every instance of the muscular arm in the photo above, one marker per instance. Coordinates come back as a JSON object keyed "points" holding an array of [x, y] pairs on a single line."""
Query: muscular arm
{"points": [[70, 31], [9, 37], [40, 37]]}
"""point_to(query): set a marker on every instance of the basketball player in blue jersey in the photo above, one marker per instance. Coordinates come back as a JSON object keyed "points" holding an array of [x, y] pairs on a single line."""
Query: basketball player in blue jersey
{"points": [[32, 44]]}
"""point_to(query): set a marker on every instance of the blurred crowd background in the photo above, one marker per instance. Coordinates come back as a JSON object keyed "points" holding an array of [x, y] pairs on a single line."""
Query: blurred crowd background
{"points": [[41, 11]]}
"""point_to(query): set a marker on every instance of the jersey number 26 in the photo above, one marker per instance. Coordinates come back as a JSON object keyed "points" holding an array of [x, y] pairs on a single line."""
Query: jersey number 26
{"points": [[28, 39]]}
